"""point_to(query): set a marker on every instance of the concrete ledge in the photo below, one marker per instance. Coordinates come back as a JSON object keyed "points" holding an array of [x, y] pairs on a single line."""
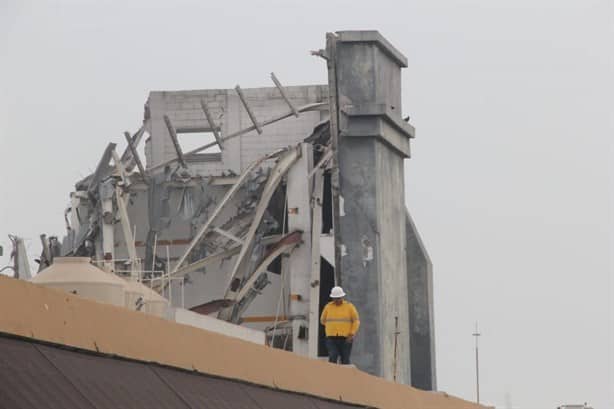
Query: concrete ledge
{"points": [[383, 111], [187, 317], [382, 128], [373, 36]]}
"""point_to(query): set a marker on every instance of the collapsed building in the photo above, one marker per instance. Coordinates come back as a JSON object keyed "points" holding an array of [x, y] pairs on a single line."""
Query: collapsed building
{"points": [[290, 191]]}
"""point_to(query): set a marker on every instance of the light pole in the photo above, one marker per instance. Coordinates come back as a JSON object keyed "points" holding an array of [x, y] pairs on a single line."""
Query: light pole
{"points": [[476, 334]]}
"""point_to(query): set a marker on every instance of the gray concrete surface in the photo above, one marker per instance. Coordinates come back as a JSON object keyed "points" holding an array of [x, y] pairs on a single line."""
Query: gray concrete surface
{"points": [[390, 287], [421, 318], [373, 142]]}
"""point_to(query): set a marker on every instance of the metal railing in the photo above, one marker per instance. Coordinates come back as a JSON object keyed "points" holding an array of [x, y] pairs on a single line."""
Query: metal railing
{"points": [[154, 279]]}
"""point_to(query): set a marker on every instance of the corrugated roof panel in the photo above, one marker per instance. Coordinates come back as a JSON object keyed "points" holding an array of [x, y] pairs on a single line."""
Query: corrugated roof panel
{"points": [[113, 383], [326, 404], [267, 398], [202, 391], [29, 381], [206, 392], [33, 375]]}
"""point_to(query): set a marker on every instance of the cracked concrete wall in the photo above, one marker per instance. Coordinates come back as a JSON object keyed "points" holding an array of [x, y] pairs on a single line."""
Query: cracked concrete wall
{"points": [[184, 111]]}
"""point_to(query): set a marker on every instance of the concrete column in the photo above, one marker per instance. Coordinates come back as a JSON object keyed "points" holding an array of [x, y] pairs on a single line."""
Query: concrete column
{"points": [[299, 218], [314, 281], [373, 141], [108, 226], [75, 225]]}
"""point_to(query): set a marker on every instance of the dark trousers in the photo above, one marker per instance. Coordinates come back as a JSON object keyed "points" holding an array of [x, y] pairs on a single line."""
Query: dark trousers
{"points": [[338, 347]]}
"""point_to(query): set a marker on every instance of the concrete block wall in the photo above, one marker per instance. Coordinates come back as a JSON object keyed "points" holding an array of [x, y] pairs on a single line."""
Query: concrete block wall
{"points": [[183, 109], [267, 103]]}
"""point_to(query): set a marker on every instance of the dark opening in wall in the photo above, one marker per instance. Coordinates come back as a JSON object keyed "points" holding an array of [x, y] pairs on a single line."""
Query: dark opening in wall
{"points": [[327, 282], [327, 205]]}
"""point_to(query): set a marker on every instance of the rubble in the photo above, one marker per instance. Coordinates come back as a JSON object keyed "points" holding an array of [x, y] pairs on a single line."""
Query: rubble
{"points": [[237, 226]]}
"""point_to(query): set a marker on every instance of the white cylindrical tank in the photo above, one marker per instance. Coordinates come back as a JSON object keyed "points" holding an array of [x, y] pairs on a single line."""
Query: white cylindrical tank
{"points": [[78, 276], [142, 298]]}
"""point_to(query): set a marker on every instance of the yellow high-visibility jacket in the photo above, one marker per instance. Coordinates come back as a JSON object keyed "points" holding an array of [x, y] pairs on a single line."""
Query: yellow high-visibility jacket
{"points": [[340, 320]]}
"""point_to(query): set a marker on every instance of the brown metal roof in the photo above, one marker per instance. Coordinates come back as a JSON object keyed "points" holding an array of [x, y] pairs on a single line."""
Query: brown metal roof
{"points": [[21, 370], [33, 375]]}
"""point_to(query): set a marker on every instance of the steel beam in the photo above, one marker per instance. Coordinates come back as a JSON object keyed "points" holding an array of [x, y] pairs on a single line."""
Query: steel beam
{"points": [[128, 155], [120, 168], [284, 163], [127, 231], [173, 134], [228, 235], [102, 169], [227, 197], [136, 158], [286, 245], [305, 108], [250, 113], [314, 284], [212, 125], [219, 256], [283, 94]]}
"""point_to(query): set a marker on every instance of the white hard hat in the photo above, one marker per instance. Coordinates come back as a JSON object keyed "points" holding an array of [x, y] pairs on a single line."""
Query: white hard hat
{"points": [[337, 292]]}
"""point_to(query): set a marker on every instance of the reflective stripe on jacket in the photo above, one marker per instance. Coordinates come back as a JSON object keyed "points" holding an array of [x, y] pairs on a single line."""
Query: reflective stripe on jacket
{"points": [[340, 320]]}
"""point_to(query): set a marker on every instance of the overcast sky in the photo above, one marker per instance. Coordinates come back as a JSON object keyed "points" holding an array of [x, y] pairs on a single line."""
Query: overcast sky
{"points": [[510, 181]]}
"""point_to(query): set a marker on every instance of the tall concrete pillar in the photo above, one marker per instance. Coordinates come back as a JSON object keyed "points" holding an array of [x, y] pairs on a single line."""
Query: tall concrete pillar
{"points": [[370, 234], [106, 190], [299, 218]]}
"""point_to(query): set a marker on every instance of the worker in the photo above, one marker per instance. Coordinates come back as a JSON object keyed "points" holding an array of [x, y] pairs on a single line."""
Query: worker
{"points": [[341, 322]]}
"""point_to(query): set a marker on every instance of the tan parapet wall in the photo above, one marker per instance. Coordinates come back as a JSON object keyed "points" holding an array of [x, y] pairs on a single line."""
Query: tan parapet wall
{"points": [[53, 316]]}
